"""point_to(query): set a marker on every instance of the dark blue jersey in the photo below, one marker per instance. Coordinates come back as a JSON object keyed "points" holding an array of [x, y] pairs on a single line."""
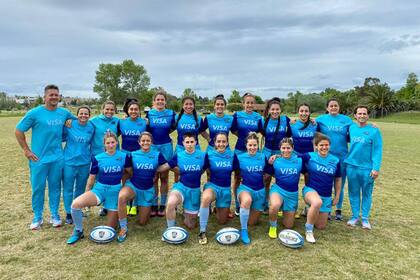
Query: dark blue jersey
{"points": [[109, 169], [130, 131], [303, 138], [216, 125], [188, 124], [161, 124], [275, 130], [191, 166], [287, 172], [221, 166], [144, 166], [245, 123]]}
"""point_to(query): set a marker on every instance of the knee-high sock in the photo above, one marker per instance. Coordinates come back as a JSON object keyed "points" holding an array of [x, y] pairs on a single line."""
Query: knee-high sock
{"points": [[77, 216], [204, 218], [244, 217]]}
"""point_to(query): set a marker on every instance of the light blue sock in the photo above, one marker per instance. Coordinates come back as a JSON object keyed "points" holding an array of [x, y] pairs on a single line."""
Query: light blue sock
{"points": [[204, 218], [123, 223], [244, 217], [170, 223], [273, 224], [77, 216], [163, 199], [309, 227]]}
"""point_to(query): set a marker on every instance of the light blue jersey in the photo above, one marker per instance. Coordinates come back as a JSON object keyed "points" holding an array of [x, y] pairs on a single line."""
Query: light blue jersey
{"points": [[160, 125], [302, 138], [130, 131], [144, 166], [102, 125], [322, 172], [287, 172], [217, 125], [47, 131], [221, 166], [365, 147], [188, 124], [244, 123], [274, 130], [336, 128], [191, 166], [252, 170], [78, 139], [109, 169]]}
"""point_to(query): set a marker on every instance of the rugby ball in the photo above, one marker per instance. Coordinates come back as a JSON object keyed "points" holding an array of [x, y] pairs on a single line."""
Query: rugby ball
{"points": [[102, 234], [291, 238], [175, 235], [228, 236]]}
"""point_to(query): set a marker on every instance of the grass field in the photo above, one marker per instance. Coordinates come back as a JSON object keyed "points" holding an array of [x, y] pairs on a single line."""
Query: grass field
{"points": [[390, 251]]}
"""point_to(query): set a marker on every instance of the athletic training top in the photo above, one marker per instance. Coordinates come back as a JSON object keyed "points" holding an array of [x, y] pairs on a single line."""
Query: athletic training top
{"points": [[221, 166], [102, 125], [287, 172], [144, 166], [245, 123], [191, 166], [216, 125], [160, 125], [252, 170], [47, 131], [302, 138], [187, 124], [110, 169], [272, 139], [130, 131], [78, 139]]}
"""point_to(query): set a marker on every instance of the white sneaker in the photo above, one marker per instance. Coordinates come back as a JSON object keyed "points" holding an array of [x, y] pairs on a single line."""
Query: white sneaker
{"points": [[55, 222], [35, 225], [352, 222], [366, 224], [310, 237]]}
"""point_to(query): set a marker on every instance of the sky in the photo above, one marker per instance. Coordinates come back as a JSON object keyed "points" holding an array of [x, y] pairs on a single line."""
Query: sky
{"points": [[266, 47]]}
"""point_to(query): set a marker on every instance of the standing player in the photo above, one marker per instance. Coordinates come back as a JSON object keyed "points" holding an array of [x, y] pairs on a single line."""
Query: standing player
{"points": [[243, 123], [303, 130], [251, 193], [336, 127], [221, 162], [324, 173], [131, 127], [161, 123], [106, 173], [46, 153], [363, 163], [144, 164], [77, 158], [284, 192], [191, 163]]}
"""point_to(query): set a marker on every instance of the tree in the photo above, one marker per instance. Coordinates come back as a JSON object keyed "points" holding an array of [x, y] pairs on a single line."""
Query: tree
{"points": [[381, 98], [117, 82], [189, 93], [292, 102], [410, 90], [259, 100], [235, 97]]}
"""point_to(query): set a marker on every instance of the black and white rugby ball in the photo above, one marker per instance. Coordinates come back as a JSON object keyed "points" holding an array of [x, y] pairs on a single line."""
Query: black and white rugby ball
{"points": [[175, 235], [291, 238], [102, 234], [228, 236]]}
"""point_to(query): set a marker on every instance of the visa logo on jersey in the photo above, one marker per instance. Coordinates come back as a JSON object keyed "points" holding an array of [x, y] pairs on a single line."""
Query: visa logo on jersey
{"points": [[219, 128], [273, 129], [250, 122], [147, 166], [131, 132], [159, 121], [324, 169], [255, 168], [358, 139], [191, 167], [55, 122], [223, 164], [112, 169], [335, 128], [288, 171], [187, 126], [305, 134], [80, 139]]}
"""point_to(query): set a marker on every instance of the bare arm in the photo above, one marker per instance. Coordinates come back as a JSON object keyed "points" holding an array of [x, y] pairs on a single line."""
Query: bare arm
{"points": [[163, 168], [205, 135], [90, 182], [337, 190], [21, 139], [128, 173]]}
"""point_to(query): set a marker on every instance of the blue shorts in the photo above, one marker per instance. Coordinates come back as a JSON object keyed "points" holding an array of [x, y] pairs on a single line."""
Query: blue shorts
{"points": [[167, 150], [190, 197], [258, 197], [180, 148], [107, 195], [290, 199], [326, 201], [143, 198], [268, 152], [223, 195]]}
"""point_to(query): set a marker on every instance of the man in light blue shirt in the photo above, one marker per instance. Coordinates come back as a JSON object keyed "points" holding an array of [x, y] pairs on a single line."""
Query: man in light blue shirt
{"points": [[46, 153], [363, 163]]}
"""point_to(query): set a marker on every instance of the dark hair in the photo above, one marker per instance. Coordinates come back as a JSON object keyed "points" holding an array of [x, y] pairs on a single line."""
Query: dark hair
{"points": [[128, 103], [331, 100], [160, 92], [82, 107], [287, 140], [108, 102], [182, 111], [145, 133], [360, 107], [51, 86], [267, 117], [252, 136], [220, 97], [319, 137], [308, 121], [246, 94], [221, 133], [188, 134]]}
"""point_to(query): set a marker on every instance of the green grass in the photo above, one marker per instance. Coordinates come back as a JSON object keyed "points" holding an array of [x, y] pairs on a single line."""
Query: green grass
{"points": [[390, 251], [411, 117]]}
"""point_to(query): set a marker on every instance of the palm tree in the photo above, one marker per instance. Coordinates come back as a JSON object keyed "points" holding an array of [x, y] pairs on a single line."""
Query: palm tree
{"points": [[381, 98]]}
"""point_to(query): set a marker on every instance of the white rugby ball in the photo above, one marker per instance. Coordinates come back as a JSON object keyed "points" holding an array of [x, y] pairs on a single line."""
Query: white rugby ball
{"points": [[102, 234], [175, 235], [291, 238], [228, 235]]}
